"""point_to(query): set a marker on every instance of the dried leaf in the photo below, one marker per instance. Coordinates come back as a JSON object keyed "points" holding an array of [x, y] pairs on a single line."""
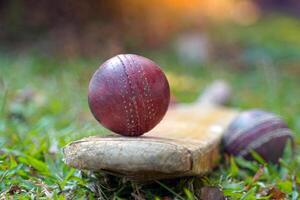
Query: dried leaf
{"points": [[276, 194], [211, 193], [14, 189]]}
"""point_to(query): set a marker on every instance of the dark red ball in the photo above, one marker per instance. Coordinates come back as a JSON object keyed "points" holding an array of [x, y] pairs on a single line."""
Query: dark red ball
{"points": [[129, 94], [259, 131]]}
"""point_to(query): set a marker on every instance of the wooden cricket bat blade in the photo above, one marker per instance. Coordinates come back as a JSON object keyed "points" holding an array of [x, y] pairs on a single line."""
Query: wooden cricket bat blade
{"points": [[185, 143]]}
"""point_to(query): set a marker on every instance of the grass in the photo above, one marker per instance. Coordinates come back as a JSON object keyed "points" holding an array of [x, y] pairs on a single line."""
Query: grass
{"points": [[43, 106]]}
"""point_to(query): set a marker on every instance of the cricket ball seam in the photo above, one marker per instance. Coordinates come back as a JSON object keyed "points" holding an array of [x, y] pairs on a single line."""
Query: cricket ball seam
{"points": [[264, 139], [132, 109], [147, 94]]}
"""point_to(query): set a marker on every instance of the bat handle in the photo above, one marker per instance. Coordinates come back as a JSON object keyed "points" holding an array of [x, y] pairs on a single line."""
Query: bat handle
{"points": [[219, 92]]}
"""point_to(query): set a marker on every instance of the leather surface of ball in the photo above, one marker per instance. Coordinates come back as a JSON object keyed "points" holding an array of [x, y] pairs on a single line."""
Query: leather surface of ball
{"points": [[129, 94], [257, 130]]}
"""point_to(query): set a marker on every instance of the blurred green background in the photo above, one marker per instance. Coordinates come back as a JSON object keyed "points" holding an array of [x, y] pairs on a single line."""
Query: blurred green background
{"points": [[50, 49]]}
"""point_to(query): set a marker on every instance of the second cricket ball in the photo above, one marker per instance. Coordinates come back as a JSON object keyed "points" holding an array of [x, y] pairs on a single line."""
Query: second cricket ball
{"points": [[129, 94], [259, 131]]}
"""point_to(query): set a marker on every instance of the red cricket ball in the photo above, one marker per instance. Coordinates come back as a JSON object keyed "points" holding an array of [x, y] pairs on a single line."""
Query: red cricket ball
{"points": [[129, 94], [259, 131]]}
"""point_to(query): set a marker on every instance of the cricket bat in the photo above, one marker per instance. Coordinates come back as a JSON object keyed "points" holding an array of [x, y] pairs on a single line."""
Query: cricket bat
{"points": [[185, 143]]}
